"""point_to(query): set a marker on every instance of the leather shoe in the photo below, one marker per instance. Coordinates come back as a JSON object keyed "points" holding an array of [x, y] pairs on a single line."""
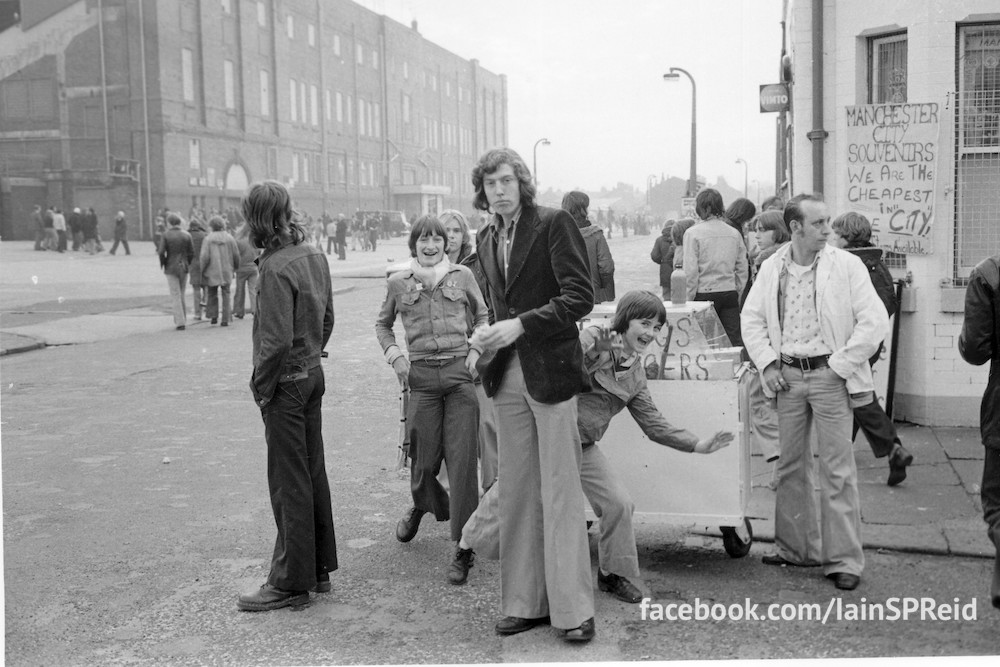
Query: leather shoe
{"points": [[322, 583], [845, 581], [511, 625], [620, 587], [407, 527], [898, 460], [268, 598], [584, 633], [775, 559], [458, 573]]}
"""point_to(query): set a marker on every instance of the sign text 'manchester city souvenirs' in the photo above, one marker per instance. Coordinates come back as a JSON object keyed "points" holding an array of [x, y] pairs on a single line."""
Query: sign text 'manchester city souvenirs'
{"points": [[891, 152]]}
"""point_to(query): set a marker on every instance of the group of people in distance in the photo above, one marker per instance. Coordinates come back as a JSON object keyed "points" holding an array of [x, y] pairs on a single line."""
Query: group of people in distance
{"points": [[505, 315], [54, 231]]}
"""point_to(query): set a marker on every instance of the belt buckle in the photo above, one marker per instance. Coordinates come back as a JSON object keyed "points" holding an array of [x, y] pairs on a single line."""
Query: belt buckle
{"points": [[805, 364]]}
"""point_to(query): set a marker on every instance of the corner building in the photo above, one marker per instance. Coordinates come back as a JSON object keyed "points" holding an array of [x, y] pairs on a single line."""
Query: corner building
{"points": [[145, 104], [895, 113]]}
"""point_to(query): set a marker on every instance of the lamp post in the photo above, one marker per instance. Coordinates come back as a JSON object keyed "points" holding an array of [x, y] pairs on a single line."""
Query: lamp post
{"points": [[746, 170], [649, 189], [674, 76], [534, 159]]}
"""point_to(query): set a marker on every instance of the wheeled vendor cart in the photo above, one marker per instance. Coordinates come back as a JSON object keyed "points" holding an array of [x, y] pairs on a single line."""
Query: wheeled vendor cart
{"points": [[699, 383]]}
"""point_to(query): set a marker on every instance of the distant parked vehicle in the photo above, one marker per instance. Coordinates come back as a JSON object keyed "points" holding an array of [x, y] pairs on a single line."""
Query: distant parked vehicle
{"points": [[392, 222]]}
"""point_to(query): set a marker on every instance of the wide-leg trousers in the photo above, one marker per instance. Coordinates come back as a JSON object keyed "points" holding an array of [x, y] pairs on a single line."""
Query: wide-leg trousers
{"points": [[300, 490], [544, 555], [829, 534]]}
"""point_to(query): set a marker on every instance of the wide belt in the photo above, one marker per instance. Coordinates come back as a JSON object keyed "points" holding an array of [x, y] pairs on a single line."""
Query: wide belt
{"points": [[806, 363]]}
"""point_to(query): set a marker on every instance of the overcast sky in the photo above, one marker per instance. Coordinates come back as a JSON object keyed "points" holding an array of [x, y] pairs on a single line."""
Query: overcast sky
{"points": [[588, 75]]}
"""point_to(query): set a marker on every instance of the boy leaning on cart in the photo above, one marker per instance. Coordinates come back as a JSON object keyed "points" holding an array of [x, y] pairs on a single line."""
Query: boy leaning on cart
{"points": [[612, 359]]}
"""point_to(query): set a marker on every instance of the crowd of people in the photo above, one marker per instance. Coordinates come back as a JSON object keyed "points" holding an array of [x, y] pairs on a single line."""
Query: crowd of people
{"points": [[498, 371], [55, 231]]}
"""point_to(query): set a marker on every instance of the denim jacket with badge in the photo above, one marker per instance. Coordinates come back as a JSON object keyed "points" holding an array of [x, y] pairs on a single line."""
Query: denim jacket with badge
{"points": [[437, 321]]}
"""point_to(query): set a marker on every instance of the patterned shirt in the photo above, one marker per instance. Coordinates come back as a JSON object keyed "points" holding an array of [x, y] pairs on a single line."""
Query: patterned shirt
{"points": [[800, 331]]}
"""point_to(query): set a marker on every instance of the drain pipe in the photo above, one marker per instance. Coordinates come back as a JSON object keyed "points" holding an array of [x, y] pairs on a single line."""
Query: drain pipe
{"points": [[818, 135]]}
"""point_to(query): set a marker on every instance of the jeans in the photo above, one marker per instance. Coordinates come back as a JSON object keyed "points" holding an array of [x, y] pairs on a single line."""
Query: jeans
{"points": [[177, 287], [212, 310], [198, 297], [442, 418], [804, 533], [246, 287], [306, 545]]}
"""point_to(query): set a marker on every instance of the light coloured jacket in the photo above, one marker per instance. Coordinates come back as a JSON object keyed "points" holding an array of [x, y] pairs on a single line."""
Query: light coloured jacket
{"points": [[220, 257], [853, 321], [715, 258]]}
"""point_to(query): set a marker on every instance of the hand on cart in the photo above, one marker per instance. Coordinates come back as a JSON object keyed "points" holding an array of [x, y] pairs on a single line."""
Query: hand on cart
{"points": [[714, 443]]}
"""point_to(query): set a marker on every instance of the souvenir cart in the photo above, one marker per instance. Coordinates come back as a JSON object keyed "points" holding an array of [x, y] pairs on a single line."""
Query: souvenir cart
{"points": [[699, 383]]}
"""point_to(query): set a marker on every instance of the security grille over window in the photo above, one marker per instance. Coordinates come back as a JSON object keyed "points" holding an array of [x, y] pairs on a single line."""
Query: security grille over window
{"points": [[977, 139]]}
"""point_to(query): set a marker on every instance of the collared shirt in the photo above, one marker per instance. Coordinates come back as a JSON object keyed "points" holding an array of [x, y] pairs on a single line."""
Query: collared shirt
{"points": [[504, 235], [800, 331]]}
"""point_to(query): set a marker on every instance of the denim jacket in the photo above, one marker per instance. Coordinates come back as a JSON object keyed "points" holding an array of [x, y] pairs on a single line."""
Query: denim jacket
{"points": [[437, 321], [609, 395], [294, 316]]}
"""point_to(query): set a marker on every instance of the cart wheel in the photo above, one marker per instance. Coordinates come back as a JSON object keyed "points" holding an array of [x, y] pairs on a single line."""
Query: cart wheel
{"points": [[734, 544]]}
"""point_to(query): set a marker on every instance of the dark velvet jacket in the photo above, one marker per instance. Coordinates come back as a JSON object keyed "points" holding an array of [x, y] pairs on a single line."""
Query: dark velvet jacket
{"points": [[978, 342], [548, 288]]}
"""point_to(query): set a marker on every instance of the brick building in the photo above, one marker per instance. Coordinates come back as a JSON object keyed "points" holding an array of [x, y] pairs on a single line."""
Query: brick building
{"points": [[895, 113], [351, 109]]}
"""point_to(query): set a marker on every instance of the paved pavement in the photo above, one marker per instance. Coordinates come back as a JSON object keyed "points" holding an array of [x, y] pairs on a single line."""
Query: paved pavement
{"points": [[52, 299]]}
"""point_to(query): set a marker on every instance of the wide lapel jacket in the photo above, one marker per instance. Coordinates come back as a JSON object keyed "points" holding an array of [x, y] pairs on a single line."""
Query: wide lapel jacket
{"points": [[548, 287]]}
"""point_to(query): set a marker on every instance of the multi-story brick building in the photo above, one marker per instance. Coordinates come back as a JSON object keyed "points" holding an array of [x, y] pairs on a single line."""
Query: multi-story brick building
{"points": [[895, 113], [146, 104]]}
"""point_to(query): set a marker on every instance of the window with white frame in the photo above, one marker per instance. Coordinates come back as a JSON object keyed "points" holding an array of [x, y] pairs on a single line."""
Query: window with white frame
{"points": [[295, 167], [350, 109], [293, 99], [261, 14], [314, 104], [305, 167], [359, 54], [361, 117], [187, 74], [340, 107], [229, 84], [311, 32], [290, 26], [194, 154], [406, 70], [327, 103], [374, 59], [977, 138], [888, 70], [378, 120], [336, 45]]}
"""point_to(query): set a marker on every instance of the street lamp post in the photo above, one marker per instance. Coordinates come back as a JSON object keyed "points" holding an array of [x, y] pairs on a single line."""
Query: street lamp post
{"points": [[534, 159], [673, 76], [649, 189], [746, 170]]}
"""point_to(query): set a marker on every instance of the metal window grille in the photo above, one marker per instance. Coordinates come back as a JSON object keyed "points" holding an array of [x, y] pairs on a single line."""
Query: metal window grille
{"points": [[888, 69], [977, 142]]}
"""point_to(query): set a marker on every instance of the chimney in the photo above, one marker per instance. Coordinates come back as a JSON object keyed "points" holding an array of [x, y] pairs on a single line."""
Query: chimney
{"points": [[413, 25]]}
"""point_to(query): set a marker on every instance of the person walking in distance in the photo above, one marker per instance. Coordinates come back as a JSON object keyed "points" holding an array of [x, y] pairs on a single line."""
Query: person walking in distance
{"points": [[293, 324], [977, 343], [535, 263], [810, 322], [121, 234], [176, 252], [220, 259]]}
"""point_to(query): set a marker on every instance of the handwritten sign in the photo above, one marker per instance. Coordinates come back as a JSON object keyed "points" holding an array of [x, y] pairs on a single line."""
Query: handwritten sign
{"points": [[891, 172]]}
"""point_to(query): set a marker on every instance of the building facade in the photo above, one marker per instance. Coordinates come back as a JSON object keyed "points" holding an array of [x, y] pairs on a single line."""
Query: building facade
{"points": [[895, 113], [149, 104]]}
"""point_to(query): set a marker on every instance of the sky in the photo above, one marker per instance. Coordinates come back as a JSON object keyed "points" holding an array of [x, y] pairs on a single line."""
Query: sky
{"points": [[588, 76]]}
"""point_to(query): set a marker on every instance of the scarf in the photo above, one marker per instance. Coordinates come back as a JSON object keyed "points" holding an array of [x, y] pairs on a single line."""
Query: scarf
{"points": [[430, 276]]}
